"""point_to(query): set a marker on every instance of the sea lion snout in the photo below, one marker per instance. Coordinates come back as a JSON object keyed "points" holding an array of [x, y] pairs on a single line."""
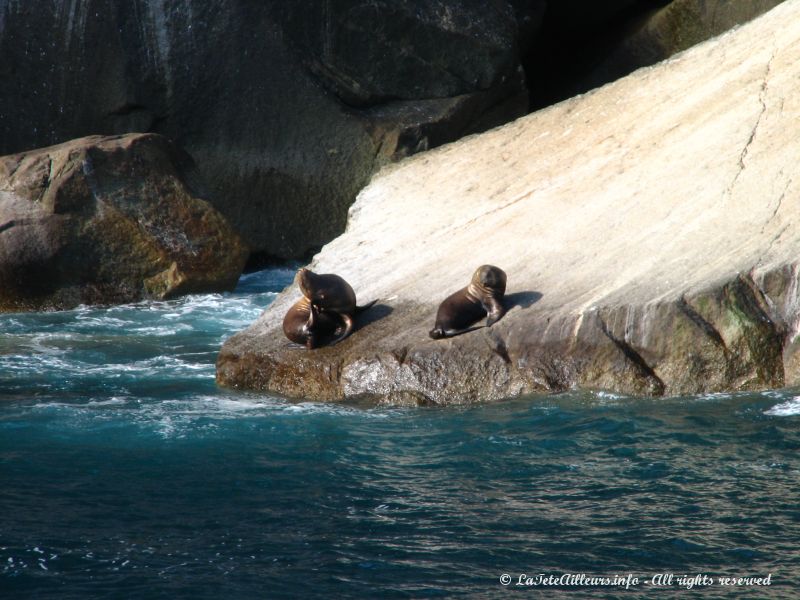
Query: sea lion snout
{"points": [[304, 281]]}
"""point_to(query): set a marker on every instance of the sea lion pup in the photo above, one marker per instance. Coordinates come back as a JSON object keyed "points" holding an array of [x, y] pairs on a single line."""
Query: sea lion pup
{"points": [[483, 296], [324, 316]]}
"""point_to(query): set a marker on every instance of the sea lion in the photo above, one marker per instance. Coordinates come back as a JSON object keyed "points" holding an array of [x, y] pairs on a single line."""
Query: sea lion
{"points": [[327, 292], [324, 316], [305, 324], [483, 296]]}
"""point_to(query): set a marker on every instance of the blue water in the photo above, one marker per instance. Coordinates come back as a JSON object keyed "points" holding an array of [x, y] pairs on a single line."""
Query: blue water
{"points": [[126, 473]]}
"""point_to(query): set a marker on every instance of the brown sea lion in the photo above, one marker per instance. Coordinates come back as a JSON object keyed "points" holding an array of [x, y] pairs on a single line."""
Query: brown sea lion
{"points": [[324, 316], [327, 292], [462, 309], [305, 324]]}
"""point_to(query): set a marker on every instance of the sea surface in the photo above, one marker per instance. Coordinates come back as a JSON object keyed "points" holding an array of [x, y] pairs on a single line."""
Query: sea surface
{"points": [[126, 473]]}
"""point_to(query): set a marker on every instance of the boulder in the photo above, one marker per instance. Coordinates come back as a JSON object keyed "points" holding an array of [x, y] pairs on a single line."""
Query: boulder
{"points": [[649, 230], [103, 220]]}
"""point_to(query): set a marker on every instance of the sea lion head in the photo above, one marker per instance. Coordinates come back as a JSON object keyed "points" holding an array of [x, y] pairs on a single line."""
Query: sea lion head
{"points": [[305, 281], [329, 292], [490, 279]]}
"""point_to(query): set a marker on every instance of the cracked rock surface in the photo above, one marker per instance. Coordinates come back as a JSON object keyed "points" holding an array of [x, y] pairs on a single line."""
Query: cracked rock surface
{"points": [[649, 231]]}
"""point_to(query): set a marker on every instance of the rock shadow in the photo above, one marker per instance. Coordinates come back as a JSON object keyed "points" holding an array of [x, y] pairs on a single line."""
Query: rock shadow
{"points": [[521, 299], [374, 313]]}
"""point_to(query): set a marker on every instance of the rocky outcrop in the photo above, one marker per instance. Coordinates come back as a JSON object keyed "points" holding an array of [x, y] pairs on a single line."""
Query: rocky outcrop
{"points": [[103, 220], [287, 107], [649, 230]]}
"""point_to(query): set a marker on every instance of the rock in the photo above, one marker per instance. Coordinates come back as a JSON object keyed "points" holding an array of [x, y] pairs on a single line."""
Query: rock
{"points": [[287, 107], [290, 107], [649, 232], [370, 51], [103, 220]]}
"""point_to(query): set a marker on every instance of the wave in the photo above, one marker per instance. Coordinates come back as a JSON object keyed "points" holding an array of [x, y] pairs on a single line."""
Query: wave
{"points": [[790, 408], [193, 417], [129, 348]]}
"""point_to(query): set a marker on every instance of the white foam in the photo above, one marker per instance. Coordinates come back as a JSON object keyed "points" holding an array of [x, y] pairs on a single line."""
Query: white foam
{"points": [[113, 401], [790, 408], [608, 398]]}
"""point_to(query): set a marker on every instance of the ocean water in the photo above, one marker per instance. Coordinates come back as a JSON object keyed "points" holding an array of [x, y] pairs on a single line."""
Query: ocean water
{"points": [[126, 473]]}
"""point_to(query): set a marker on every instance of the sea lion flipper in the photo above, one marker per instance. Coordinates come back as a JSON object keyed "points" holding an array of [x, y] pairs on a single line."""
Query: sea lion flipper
{"points": [[439, 333], [347, 321], [494, 310], [309, 327], [360, 309]]}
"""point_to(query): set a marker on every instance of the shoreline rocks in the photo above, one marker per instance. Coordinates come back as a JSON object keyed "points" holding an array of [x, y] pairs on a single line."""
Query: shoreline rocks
{"points": [[105, 220], [649, 230]]}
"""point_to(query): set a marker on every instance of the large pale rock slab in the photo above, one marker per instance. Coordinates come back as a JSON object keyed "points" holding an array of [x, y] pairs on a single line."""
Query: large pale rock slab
{"points": [[649, 231], [102, 220]]}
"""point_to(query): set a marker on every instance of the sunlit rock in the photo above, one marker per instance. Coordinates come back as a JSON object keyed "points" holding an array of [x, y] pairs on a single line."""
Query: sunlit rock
{"points": [[103, 220]]}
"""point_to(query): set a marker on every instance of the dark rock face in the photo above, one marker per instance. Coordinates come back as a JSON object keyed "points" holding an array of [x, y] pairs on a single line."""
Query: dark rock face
{"points": [[371, 51], [106, 220], [271, 144]]}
